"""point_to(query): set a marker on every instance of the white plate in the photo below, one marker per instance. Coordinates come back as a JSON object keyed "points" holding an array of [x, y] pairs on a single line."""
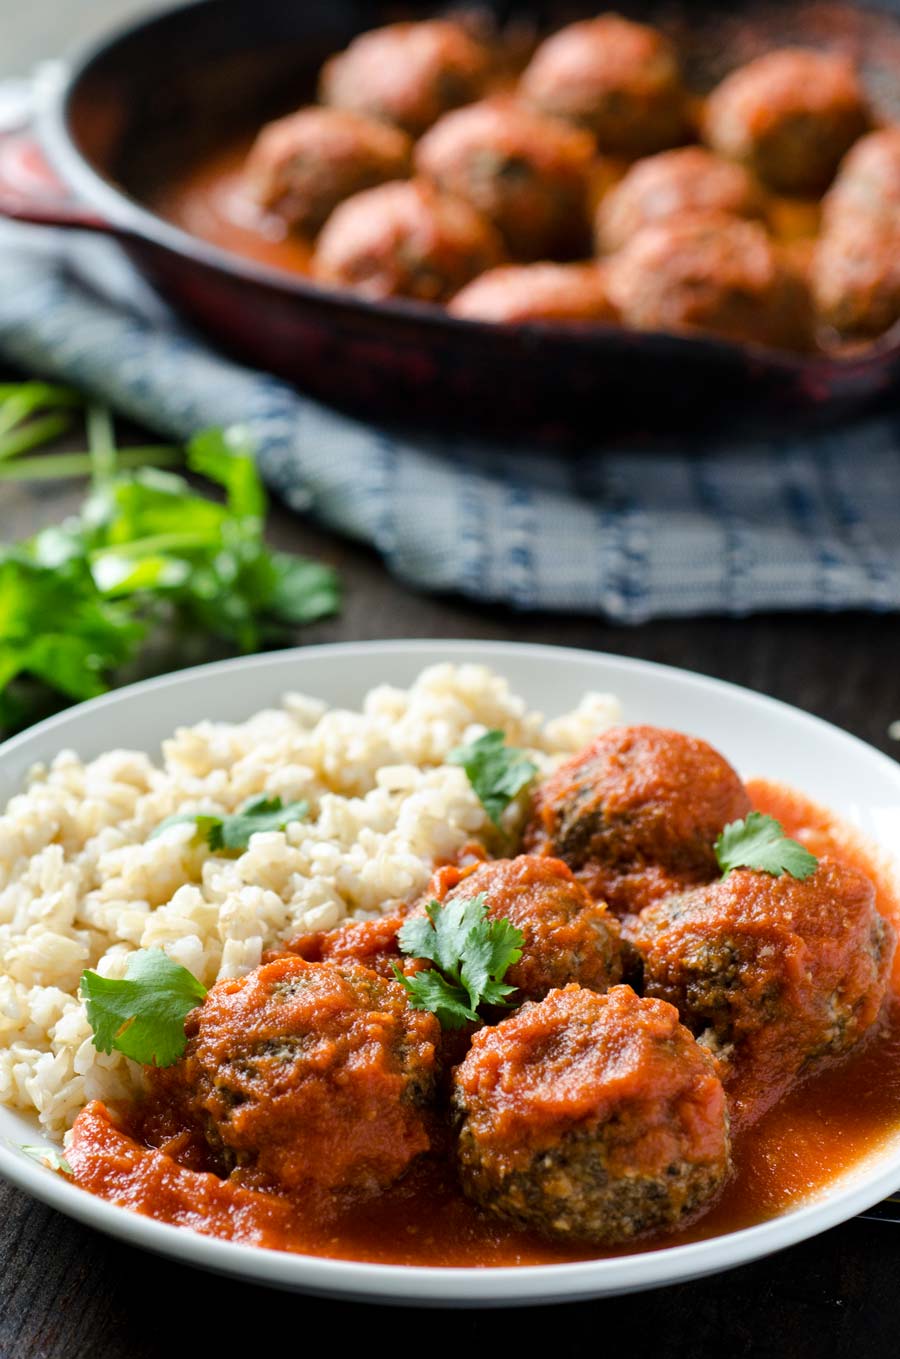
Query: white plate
{"points": [[759, 735]]}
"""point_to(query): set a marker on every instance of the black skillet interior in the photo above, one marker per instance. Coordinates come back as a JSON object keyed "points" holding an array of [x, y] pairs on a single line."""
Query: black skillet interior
{"points": [[167, 92]]}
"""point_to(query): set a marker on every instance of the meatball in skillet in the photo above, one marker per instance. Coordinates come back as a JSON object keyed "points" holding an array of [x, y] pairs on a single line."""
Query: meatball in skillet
{"points": [[527, 174], [856, 264], [568, 937], [302, 166], [689, 179], [617, 79], [310, 1076], [407, 73], [591, 1116], [518, 294], [776, 973], [711, 273], [405, 239], [636, 814], [790, 116]]}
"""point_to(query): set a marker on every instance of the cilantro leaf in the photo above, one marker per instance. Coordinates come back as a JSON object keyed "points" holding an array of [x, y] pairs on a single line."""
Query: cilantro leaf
{"points": [[233, 831], [48, 1157], [143, 1013], [470, 953], [496, 771], [429, 990], [759, 842]]}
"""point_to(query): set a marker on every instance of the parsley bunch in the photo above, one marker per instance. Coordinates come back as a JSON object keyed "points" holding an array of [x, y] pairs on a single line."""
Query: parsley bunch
{"points": [[471, 954], [146, 550]]}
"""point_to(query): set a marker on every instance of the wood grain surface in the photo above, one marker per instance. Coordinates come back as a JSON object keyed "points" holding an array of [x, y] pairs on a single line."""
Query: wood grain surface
{"points": [[67, 1292]]}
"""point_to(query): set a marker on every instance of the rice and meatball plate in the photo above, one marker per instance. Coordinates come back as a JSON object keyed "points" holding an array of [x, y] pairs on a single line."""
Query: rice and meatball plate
{"points": [[436, 980]]}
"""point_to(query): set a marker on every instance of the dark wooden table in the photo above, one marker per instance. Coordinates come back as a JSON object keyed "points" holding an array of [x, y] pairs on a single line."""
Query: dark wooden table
{"points": [[67, 1292]]}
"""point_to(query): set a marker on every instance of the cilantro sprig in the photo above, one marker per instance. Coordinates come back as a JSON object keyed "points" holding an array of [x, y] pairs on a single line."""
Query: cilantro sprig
{"points": [[233, 831], [471, 954], [147, 556], [759, 842], [496, 771], [142, 1014]]}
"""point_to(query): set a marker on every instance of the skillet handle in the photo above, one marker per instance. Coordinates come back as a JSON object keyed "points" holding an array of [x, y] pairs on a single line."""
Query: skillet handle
{"points": [[31, 192]]}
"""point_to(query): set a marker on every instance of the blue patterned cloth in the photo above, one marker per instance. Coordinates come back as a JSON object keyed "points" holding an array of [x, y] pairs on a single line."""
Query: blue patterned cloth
{"points": [[682, 529]]}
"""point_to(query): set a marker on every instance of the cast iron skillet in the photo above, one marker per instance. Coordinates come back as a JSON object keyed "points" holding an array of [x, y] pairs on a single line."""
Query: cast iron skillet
{"points": [[137, 107]]}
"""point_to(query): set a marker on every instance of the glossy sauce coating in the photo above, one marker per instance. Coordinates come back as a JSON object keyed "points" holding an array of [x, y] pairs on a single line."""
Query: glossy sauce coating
{"points": [[824, 1126]]}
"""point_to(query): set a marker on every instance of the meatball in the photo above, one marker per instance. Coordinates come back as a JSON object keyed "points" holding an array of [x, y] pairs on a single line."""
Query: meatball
{"points": [[856, 277], [619, 80], [689, 179], [589, 1116], [405, 240], [517, 294], [790, 116], [711, 273], [372, 943], [528, 174], [774, 972], [302, 166], [636, 814], [311, 1076], [856, 265], [568, 937], [407, 73]]}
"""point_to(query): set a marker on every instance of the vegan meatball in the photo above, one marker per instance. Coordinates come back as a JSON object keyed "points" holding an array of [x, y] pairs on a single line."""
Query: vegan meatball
{"points": [[302, 166], [527, 174], [619, 80], [568, 937], [516, 294], [407, 73], [592, 1117], [310, 1076], [637, 813], [714, 273], [689, 179], [405, 239], [856, 264], [776, 973], [790, 116]]}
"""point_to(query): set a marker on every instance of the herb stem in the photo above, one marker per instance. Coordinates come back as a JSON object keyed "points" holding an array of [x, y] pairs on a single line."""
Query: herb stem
{"points": [[101, 444], [37, 432], [49, 466], [152, 545]]}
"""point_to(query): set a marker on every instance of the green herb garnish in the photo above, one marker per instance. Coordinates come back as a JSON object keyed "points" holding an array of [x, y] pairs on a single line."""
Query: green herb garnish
{"points": [[233, 831], [143, 1013], [496, 771], [48, 1157], [470, 953], [146, 551], [759, 842]]}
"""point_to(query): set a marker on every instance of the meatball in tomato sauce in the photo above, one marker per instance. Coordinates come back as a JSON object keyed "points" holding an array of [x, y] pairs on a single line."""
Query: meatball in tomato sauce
{"points": [[617, 79], [711, 273], [405, 239], [637, 813], [518, 294], [408, 73], [594, 1117], [568, 937], [527, 174], [790, 116], [687, 180], [302, 166], [775, 973], [309, 1076]]}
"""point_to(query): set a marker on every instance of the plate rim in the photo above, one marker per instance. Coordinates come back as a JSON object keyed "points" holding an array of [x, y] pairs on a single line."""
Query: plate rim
{"points": [[420, 1285]]}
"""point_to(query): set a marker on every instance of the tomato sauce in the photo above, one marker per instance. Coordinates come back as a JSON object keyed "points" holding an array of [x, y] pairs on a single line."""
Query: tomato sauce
{"points": [[825, 1126]]}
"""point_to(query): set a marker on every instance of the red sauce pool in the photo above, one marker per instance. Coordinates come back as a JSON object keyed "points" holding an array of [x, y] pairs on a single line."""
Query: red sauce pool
{"points": [[825, 1126]]}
